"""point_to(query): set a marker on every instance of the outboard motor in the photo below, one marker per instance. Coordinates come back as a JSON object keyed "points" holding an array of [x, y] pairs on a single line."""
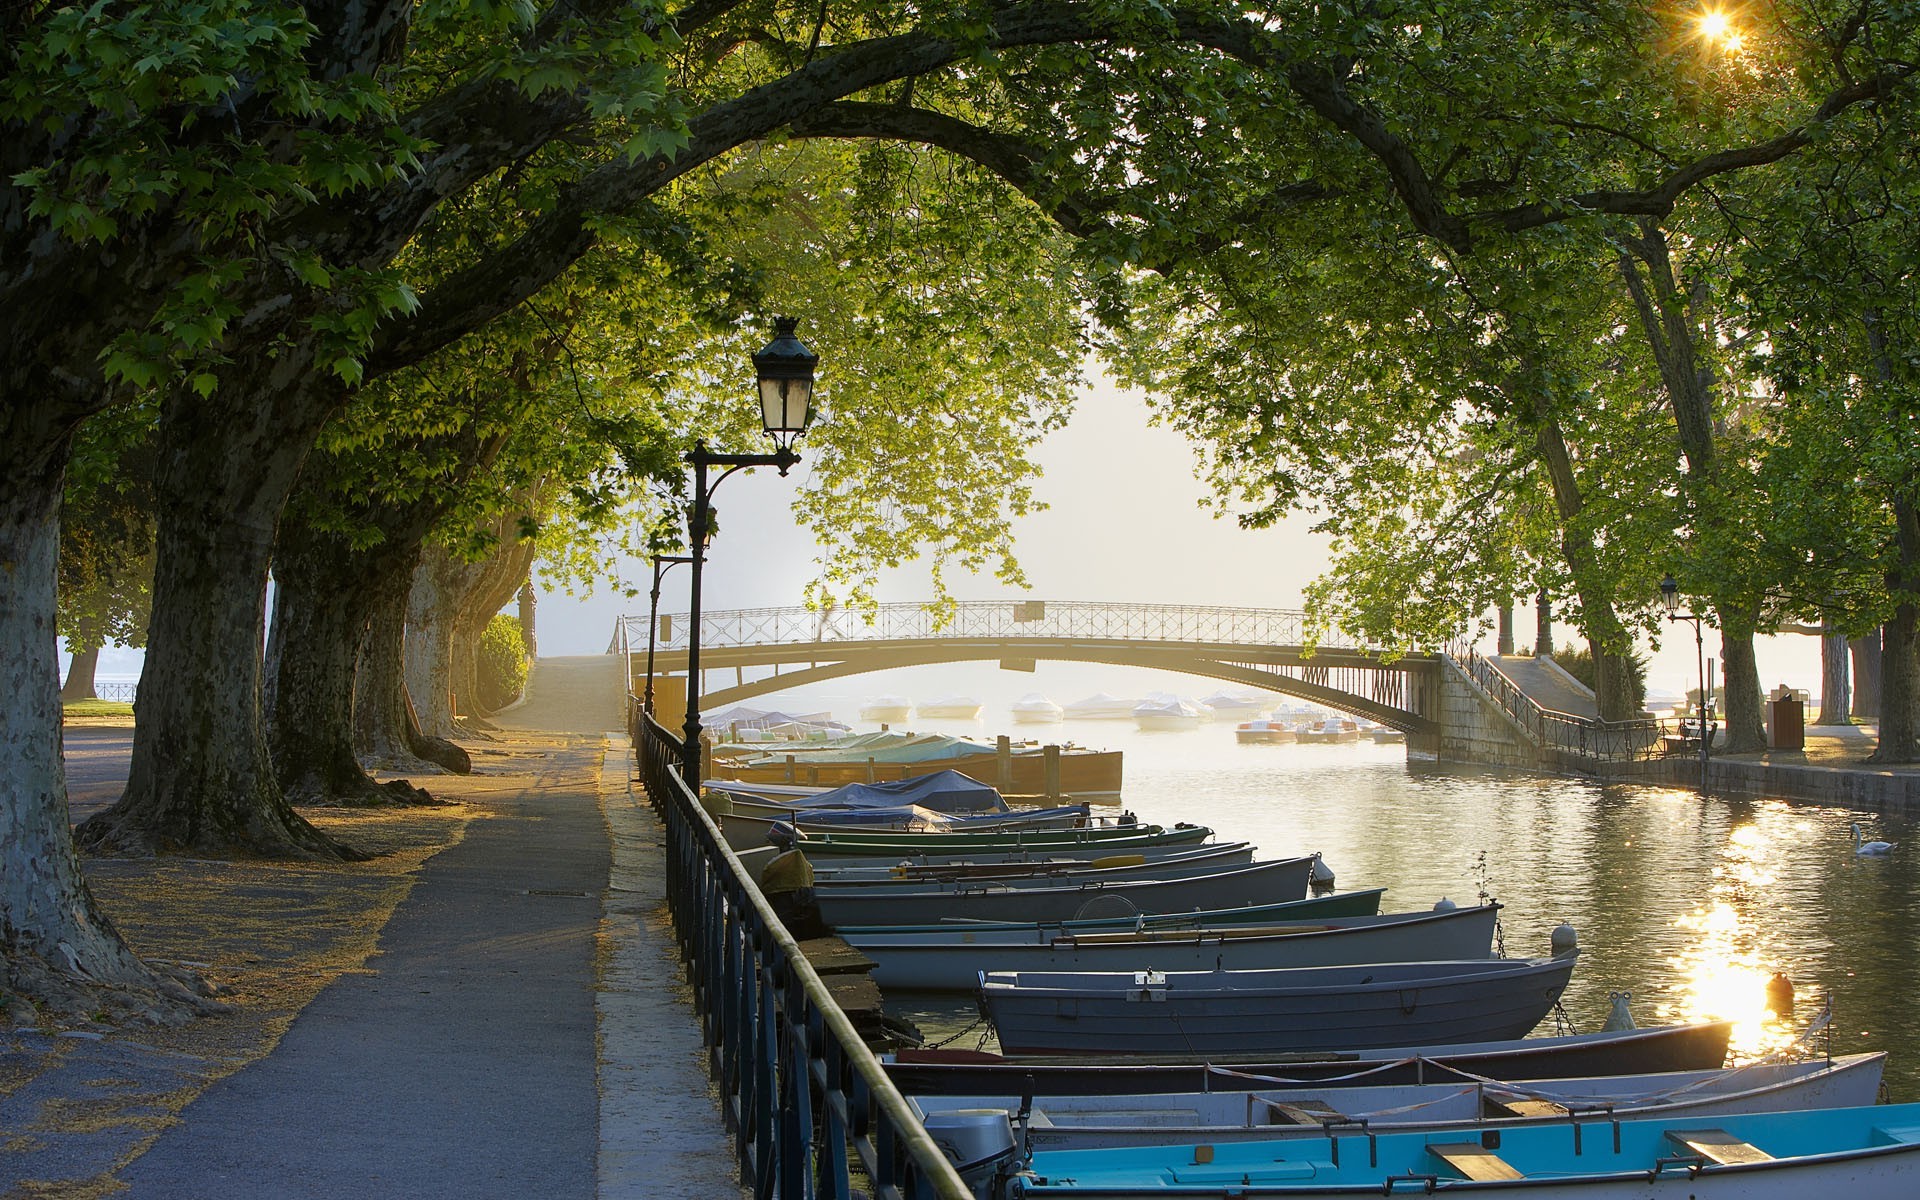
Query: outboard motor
{"points": [[978, 1142]]}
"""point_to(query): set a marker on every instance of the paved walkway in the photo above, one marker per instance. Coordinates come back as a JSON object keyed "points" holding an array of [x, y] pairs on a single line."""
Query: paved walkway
{"points": [[520, 1032]]}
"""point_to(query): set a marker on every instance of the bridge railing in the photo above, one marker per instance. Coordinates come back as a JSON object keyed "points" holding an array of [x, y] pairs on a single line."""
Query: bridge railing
{"points": [[1572, 734], [805, 1099], [991, 619]]}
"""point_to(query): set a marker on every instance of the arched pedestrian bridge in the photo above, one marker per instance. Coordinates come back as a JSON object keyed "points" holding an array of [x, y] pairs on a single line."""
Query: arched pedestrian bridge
{"points": [[766, 650]]}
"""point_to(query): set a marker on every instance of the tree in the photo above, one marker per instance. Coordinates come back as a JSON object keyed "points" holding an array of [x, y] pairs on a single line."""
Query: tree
{"points": [[252, 212], [106, 543]]}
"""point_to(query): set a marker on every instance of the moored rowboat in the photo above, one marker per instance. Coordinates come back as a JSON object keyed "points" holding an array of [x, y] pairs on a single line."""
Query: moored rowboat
{"points": [[1272, 1012], [1087, 1122], [1338, 904], [1258, 883], [1691, 1047], [1870, 1153], [953, 958]]}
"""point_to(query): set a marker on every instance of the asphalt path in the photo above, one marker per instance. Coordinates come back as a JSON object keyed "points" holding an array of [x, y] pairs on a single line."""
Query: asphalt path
{"points": [[97, 757]]}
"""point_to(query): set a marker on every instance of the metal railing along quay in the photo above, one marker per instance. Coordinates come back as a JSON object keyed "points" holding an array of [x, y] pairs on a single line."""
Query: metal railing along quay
{"points": [[812, 1111], [1580, 737]]}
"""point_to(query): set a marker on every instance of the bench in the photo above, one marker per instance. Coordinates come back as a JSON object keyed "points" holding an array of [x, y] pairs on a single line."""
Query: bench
{"points": [[1302, 1112], [1473, 1160], [1717, 1145]]}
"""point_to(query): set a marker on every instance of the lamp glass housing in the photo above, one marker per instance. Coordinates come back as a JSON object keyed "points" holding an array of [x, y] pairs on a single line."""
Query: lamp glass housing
{"points": [[1670, 595], [785, 370]]}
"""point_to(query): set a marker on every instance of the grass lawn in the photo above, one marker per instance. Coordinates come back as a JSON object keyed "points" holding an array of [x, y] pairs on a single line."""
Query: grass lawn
{"points": [[97, 708]]}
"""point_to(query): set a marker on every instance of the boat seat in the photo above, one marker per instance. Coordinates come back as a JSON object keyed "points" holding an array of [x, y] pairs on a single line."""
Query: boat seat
{"points": [[1303, 1112], [1525, 1108], [1473, 1160], [1717, 1145]]}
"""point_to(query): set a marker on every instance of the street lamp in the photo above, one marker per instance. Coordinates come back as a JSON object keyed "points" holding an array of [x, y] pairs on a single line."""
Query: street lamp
{"points": [[662, 563], [1670, 597], [784, 368]]}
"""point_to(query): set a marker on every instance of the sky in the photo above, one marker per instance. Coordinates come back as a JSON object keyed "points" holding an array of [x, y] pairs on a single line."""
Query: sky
{"points": [[1124, 523]]}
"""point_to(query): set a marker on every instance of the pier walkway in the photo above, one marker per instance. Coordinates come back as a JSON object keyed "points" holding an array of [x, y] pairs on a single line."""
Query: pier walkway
{"points": [[519, 1028]]}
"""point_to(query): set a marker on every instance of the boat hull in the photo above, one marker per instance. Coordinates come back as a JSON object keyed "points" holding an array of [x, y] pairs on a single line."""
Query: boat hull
{"points": [[1624, 1052], [1340, 904], [1870, 1153], [1107, 839], [1083, 773], [1187, 861], [953, 960], [1260, 883], [1272, 1012], [1092, 1122]]}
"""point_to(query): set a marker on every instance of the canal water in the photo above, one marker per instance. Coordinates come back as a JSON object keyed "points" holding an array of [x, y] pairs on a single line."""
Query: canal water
{"points": [[1692, 904]]}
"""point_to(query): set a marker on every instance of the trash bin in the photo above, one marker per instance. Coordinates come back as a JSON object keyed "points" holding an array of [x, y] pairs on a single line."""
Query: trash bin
{"points": [[1786, 719]]}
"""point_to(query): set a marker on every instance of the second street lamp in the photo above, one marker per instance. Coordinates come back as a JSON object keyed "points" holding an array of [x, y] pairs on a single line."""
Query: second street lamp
{"points": [[784, 369], [662, 563], [1670, 598]]}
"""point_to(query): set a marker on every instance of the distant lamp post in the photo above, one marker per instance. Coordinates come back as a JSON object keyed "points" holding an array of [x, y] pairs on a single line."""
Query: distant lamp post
{"points": [[1670, 597], [662, 563], [785, 369]]}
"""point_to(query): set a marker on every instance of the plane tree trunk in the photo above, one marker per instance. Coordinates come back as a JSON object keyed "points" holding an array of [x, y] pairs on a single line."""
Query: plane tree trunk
{"points": [[1745, 720], [202, 780], [1835, 686], [385, 731], [1865, 652], [1612, 674], [322, 602], [80, 672], [486, 594], [1900, 646], [56, 946]]}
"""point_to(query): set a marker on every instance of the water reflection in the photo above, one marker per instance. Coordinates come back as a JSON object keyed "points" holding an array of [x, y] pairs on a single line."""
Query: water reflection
{"points": [[1691, 904]]}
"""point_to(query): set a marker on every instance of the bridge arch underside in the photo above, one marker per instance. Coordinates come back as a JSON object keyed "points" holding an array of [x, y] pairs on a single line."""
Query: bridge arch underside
{"points": [[1401, 695]]}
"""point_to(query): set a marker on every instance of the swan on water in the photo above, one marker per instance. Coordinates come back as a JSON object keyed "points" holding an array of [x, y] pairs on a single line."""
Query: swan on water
{"points": [[1860, 847]]}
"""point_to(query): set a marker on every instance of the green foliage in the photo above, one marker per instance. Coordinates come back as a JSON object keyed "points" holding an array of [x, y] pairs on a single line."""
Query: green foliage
{"points": [[107, 533], [502, 664]]}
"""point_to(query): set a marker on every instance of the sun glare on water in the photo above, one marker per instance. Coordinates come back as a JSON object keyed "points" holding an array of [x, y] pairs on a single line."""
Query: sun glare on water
{"points": [[1728, 966]]}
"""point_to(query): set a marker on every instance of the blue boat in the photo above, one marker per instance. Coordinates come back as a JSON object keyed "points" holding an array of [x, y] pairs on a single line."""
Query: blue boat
{"points": [[1870, 1153]]}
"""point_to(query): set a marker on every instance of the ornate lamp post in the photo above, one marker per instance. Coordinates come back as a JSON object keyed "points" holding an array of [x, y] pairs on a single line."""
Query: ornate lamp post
{"points": [[785, 371], [1670, 597], [662, 563]]}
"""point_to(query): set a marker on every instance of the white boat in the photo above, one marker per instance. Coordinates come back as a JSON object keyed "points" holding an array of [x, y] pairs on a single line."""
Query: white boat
{"points": [[1386, 736], [1099, 707], [886, 709], [1333, 729], [1865, 1153], [1470, 1107], [1288, 1011], [1233, 706], [1164, 710], [951, 959], [1035, 709], [949, 708], [1267, 733]]}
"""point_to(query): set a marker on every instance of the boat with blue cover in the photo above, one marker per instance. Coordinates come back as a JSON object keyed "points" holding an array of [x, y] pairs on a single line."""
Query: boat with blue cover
{"points": [[1864, 1153]]}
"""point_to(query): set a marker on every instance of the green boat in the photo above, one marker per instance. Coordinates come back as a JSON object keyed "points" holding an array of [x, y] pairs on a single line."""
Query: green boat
{"points": [[1112, 839]]}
